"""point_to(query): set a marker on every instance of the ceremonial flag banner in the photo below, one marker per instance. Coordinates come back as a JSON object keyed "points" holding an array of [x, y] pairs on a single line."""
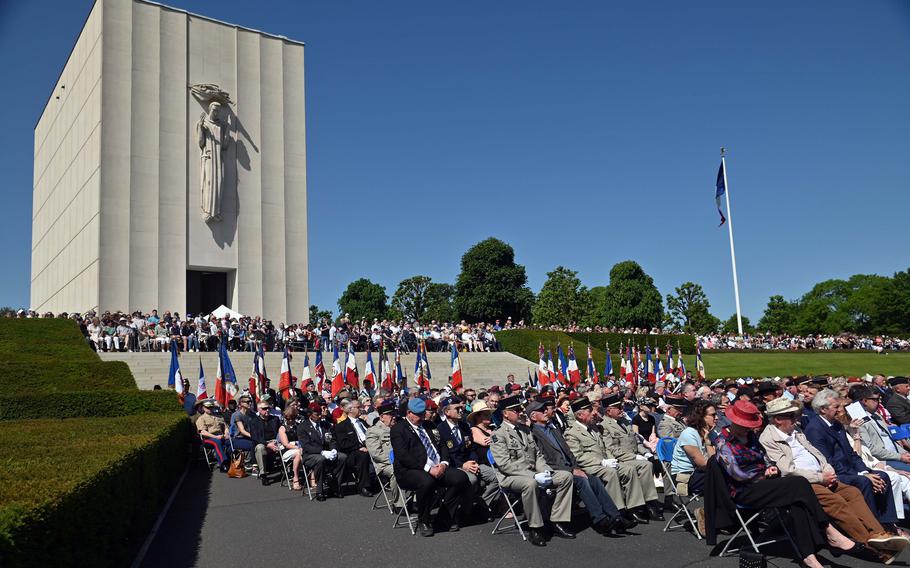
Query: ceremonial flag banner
{"points": [[649, 365], [721, 190], [551, 373], [174, 378], [531, 382], [574, 374], [424, 362], [319, 371], [284, 383], [680, 366], [369, 374], [608, 364], [400, 378], [561, 365], [305, 377], [456, 369], [200, 388], [592, 370], [254, 376], [543, 378], [630, 365], [699, 364], [350, 368], [225, 378], [385, 371], [337, 377], [419, 378]]}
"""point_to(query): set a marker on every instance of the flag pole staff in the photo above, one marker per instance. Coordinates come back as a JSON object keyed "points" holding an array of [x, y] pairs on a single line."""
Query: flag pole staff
{"points": [[739, 315]]}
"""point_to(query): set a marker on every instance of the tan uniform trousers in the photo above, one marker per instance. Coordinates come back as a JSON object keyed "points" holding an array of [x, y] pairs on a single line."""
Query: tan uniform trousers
{"points": [[848, 509], [561, 512], [639, 473], [385, 472]]}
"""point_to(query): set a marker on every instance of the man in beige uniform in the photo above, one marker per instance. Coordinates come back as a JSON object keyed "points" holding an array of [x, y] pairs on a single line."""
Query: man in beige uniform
{"points": [[213, 432], [623, 443], [586, 441], [379, 444], [521, 468]]}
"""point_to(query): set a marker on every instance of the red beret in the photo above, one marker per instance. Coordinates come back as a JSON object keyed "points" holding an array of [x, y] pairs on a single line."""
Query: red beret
{"points": [[431, 405], [315, 407]]}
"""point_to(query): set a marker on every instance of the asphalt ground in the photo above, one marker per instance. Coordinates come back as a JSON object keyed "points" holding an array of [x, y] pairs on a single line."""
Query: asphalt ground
{"points": [[218, 521]]}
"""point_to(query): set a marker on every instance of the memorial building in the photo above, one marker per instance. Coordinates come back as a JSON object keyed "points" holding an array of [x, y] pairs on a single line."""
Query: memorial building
{"points": [[170, 169]]}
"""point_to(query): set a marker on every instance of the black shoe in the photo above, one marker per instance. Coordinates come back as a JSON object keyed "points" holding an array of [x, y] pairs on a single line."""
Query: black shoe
{"points": [[425, 529], [454, 527], [366, 492], [669, 504], [561, 531], [319, 497], [656, 513], [604, 526], [338, 492], [265, 481], [536, 537], [621, 525]]}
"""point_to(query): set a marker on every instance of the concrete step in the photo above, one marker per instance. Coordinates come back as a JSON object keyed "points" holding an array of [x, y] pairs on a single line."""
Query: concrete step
{"points": [[480, 370]]}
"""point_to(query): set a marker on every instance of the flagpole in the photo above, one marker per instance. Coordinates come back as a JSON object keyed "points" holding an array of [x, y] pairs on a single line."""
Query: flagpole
{"points": [[739, 315]]}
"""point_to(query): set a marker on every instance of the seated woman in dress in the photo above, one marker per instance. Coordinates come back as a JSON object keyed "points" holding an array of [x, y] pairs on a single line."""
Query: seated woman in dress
{"points": [[694, 447], [756, 485]]}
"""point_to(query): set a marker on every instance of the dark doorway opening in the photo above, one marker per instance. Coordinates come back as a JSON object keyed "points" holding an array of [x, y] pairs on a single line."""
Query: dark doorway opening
{"points": [[205, 291]]}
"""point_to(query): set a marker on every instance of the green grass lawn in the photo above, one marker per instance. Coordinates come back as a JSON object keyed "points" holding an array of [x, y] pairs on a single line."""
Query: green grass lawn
{"points": [[718, 365]]}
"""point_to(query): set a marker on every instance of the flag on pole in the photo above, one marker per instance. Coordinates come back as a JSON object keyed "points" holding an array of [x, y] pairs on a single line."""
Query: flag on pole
{"points": [[592, 370], [669, 358], [551, 373], [305, 377], [561, 365], [572, 371], [424, 362], [174, 378], [419, 378], [385, 369], [200, 387], [369, 374], [532, 381], [721, 190], [699, 364], [456, 370], [608, 364], [351, 376], [284, 383], [225, 378], [543, 378], [629, 371], [659, 372], [319, 371], [400, 378], [649, 365], [680, 366], [337, 383]]}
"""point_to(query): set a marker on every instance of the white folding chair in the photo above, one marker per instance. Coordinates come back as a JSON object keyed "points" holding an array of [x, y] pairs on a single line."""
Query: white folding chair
{"points": [[516, 522], [404, 499], [384, 488], [665, 449], [287, 459], [744, 528]]}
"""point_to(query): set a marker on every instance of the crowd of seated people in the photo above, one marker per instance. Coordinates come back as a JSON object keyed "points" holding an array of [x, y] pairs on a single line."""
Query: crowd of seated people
{"points": [[787, 342], [840, 477]]}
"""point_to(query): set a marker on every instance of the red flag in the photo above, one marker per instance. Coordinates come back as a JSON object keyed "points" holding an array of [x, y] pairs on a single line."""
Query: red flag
{"points": [[350, 367]]}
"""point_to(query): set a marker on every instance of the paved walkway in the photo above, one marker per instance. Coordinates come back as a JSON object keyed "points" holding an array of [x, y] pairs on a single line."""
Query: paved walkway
{"points": [[217, 521]]}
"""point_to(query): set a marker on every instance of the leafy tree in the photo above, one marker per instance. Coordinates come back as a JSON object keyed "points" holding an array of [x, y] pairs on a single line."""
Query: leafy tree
{"points": [[491, 285], [731, 326], [689, 309], [632, 299], [419, 298], [597, 307], [562, 299], [316, 314], [7, 311], [780, 315], [364, 299]]}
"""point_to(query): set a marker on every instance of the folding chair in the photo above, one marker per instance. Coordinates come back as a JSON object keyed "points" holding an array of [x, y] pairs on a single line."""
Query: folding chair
{"points": [[384, 488], [287, 462], [744, 528], [405, 498], [516, 523], [665, 449], [208, 452]]}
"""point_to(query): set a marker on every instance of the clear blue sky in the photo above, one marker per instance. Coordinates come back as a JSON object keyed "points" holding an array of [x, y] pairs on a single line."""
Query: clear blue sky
{"points": [[582, 133]]}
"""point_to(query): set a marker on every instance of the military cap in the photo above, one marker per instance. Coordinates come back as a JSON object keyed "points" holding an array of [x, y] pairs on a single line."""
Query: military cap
{"points": [[582, 403], [766, 387], [386, 408], [612, 400], [417, 405], [820, 381], [510, 403], [677, 401], [535, 406], [894, 381]]}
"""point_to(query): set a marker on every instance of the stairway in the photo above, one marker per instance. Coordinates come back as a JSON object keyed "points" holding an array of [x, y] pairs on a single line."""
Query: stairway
{"points": [[480, 370]]}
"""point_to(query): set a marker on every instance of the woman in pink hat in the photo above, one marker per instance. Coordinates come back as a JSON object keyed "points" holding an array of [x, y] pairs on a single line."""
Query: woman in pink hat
{"points": [[755, 484]]}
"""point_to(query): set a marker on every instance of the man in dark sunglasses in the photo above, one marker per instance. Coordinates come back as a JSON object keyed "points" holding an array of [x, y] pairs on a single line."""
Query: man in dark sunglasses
{"points": [[874, 431]]}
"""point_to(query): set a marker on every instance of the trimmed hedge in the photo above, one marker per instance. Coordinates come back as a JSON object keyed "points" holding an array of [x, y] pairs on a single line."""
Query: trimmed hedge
{"points": [[69, 500], [50, 355], [86, 404], [685, 342]]}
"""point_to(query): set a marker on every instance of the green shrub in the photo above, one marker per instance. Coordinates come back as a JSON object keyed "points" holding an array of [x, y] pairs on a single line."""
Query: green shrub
{"points": [[86, 404], [685, 342], [50, 355], [85, 491]]}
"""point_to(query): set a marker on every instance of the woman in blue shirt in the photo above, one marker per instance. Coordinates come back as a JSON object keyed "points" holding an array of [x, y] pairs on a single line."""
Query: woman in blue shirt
{"points": [[693, 447]]}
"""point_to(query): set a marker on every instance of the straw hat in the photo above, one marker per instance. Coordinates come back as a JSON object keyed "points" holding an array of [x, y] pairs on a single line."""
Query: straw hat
{"points": [[782, 405], [478, 407]]}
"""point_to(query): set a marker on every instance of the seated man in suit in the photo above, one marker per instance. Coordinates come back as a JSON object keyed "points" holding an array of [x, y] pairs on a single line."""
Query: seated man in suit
{"points": [[521, 468], [898, 404], [264, 436], [422, 465], [826, 433], [455, 434], [874, 432], [379, 443], [318, 446], [604, 515], [351, 437]]}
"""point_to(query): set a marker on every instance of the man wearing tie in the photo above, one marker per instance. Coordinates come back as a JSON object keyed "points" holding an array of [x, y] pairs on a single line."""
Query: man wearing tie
{"points": [[421, 464], [352, 436], [319, 449], [455, 434]]}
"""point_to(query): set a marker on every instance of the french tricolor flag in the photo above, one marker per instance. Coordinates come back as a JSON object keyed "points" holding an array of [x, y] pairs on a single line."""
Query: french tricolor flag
{"points": [[350, 368], [456, 369], [572, 368], [285, 383], [319, 371], [337, 377], [369, 374], [543, 377], [200, 388], [174, 377]]}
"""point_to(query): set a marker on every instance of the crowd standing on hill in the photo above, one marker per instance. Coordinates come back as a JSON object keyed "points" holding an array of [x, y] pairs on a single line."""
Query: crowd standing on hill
{"points": [[767, 341], [839, 473]]}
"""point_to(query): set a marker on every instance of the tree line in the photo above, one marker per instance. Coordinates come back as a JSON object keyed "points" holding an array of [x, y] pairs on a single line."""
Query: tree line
{"points": [[491, 285]]}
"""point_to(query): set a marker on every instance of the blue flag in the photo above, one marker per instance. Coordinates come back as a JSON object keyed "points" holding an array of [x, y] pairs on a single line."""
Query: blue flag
{"points": [[721, 190], [174, 378]]}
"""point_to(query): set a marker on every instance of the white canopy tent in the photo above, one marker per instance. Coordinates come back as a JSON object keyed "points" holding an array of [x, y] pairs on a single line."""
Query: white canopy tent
{"points": [[221, 311]]}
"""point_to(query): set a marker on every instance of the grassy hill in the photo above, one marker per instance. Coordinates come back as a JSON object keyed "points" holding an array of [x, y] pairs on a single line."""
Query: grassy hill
{"points": [[74, 433], [717, 365]]}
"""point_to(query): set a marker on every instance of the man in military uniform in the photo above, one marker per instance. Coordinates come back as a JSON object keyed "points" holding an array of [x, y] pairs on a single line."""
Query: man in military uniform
{"points": [[623, 443], [587, 443], [213, 432], [379, 443], [521, 468], [671, 425]]}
